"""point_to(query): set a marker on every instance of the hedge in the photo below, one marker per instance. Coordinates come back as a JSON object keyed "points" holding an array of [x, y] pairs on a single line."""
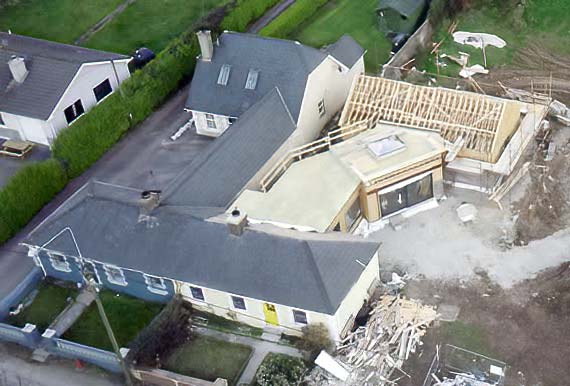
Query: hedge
{"points": [[288, 22], [27, 192], [244, 12], [83, 143]]}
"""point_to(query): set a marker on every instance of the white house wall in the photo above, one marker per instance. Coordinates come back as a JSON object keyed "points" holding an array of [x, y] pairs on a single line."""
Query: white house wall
{"points": [[353, 302], [87, 78], [220, 303], [222, 123], [29, 129], [328, 83]]}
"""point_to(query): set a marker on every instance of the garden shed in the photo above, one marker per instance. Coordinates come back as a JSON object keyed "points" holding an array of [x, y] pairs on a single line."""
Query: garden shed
{"points": [[400, 16]]}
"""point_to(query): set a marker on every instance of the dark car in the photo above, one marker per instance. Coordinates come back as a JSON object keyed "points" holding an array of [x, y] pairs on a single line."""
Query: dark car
{"points": [[142, 56]]}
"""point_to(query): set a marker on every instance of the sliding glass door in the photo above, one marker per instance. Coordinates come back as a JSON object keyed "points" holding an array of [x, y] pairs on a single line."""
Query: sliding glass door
{"points": [[407, 196]]}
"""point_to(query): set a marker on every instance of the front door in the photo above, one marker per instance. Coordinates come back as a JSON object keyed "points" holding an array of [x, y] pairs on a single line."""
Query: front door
{"points": [[270, 314]]}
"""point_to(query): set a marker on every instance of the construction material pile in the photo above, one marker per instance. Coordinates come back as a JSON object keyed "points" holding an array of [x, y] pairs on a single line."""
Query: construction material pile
{"points": [[463, 380], [373, 353]]}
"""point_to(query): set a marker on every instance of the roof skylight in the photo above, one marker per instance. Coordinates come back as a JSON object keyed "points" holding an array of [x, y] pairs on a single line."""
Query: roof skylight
{"points": [[386, 146], [224, 75]]}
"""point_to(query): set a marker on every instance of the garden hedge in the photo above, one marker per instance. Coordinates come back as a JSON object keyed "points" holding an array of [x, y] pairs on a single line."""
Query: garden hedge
{"points": [[286, 23], [83, 143], [27, 192], [244, 12]]}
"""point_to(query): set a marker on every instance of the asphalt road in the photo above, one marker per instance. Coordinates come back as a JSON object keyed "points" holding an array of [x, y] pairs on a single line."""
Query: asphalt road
{"points": [[145, 158]]}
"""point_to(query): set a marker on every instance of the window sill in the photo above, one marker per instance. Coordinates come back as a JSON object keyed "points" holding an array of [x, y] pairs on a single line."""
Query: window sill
{"points": [[157, 291], [116, 282], [62, 269]]}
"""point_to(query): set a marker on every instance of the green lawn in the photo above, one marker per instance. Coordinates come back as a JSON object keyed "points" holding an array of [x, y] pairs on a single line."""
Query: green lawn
{"points": [[216, 322], [466, 336], [150, 23], [356, 18], [208, 358], [47, 304], [545, 22], [127, 316], [58, 20]]}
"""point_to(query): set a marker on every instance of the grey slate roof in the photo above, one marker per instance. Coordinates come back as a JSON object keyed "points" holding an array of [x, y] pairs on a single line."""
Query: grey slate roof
{"points": [[312, 274], [51, 68], [284, 64], [404, 7], [216, 177], [346, 50]]}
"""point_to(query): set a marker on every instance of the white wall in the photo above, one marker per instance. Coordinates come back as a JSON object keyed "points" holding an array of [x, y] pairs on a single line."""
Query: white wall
{"points": [[29, 129], [222, 123], [88, 76], [328, 83]]}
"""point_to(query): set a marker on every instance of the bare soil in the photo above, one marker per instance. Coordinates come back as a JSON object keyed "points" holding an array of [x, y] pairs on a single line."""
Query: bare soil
{"points": [[526, 326]]}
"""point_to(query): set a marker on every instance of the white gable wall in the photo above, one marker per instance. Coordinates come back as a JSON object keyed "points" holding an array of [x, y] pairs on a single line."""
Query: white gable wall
{"points": [[28, 129], [87, 78], [222, 123], [326, 83]]}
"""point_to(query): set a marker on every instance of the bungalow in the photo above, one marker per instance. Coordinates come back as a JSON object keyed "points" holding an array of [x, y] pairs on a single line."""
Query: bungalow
{"points": [[135, 244], [45, 86], [237, 71]]}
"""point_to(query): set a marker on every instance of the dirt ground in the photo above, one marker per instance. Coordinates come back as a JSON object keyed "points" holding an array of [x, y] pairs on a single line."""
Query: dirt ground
{"points": [[526, 326]]}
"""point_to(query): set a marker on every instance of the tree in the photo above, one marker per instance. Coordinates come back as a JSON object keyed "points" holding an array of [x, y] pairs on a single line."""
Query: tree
{"points": [[315, 338]]}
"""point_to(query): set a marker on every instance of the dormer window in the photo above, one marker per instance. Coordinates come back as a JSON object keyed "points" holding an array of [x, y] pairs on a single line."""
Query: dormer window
{"points": [[224, 75], [251, 81]]}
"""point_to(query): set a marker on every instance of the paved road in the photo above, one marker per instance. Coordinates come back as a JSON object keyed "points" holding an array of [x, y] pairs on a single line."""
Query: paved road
{"points": [[270, 16]]}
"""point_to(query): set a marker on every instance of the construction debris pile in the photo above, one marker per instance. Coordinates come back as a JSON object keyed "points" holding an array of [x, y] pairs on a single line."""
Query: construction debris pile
{"points": [[463, 380], [374, 354]]}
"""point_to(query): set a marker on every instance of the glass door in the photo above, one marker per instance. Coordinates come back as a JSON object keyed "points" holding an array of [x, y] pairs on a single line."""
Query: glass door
{"points": [[410, 195]]}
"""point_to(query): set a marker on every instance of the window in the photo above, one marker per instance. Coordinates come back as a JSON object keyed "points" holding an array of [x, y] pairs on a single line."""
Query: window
{"points": [[322, 110], [352, 214], [251, 81], [197, 293], [59, 262], [155, 284], [115, 275], [74, 111], [300, 317], [238, 302], [404, 197], [210, 121], [102, 90], [224, 75]]}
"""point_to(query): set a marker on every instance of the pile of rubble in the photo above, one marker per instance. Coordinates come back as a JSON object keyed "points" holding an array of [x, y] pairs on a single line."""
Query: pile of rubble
{"points": [[373, 353], [463, 380]]}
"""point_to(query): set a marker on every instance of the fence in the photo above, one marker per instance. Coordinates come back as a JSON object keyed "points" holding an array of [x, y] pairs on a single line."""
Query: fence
{"points": [[71, 350], [30, 282], [27, 336], [166, 378]]}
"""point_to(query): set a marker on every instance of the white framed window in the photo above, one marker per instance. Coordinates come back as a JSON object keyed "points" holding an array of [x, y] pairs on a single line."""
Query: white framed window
{"points": [[155, 284], [102, 90], [197, 293], [238, 303], [300, 317], [115, 275], [59, 262], [322, 109], [210, 121]]}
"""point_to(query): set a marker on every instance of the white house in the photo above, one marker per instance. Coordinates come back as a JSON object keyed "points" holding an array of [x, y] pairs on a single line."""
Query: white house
{"points": [[240, 69], [45, 86]]}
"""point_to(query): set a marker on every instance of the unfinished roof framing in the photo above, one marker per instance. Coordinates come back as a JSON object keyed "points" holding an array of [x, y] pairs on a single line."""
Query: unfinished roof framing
{"points": [[484, 123]]}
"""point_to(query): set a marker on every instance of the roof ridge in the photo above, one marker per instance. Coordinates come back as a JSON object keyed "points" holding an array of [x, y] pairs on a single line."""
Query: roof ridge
{"points": [[319, 278], [284, 105]]}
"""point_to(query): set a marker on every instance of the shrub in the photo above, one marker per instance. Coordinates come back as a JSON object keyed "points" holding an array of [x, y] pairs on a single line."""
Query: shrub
{"points": [[315, 339], [244, 12], [286, 23], [280, 370], [26, 193]]}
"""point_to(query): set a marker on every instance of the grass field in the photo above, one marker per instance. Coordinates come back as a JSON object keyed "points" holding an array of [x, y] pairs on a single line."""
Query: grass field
{"points": [[127, 316], [545, 22], [356, 18], [208, 358], [58, 20], [48, 303], [150, 23], [466, 336]]}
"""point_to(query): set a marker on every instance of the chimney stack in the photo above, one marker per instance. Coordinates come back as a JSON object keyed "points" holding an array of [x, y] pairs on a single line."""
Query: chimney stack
{"points": [[206, 45], [237, 221], [18, 68]]}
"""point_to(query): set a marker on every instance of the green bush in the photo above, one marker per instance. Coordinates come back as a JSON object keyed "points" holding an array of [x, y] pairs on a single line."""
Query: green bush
{"points": [[315, 338], [83, 143], [280, 370], [26, 193], [286, 23], [244, 12]]}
